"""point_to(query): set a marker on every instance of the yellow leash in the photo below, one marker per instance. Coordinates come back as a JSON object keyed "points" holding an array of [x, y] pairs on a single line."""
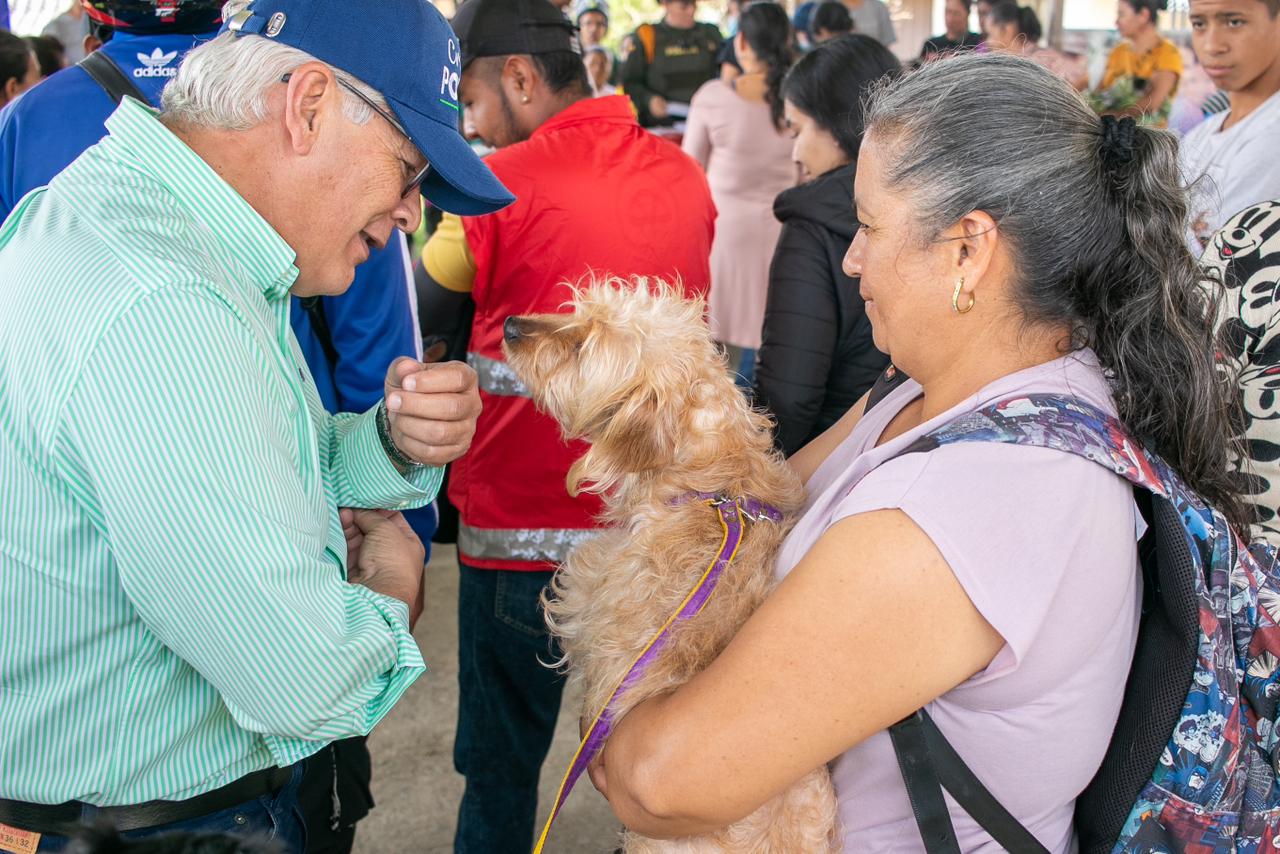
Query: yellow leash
{"points": [[602, 724]]}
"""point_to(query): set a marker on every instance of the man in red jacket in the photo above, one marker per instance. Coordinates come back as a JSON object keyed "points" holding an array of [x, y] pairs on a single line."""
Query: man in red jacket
{"points": [[595, 194]]}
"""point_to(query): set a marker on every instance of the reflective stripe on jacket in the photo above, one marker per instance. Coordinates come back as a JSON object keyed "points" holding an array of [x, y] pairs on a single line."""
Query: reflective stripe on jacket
{"points": [[595, 194]]}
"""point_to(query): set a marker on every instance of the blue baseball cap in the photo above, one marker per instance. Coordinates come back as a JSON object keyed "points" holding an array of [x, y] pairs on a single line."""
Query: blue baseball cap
{"points": [[406, 51]]}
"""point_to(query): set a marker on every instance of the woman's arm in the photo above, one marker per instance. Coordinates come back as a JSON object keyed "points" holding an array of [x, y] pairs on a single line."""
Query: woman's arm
{"points": [[778, 703], [697, 133], [805, 461], [1159, 87]]}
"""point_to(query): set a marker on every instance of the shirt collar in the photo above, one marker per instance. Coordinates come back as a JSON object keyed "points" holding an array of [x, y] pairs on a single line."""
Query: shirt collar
{"points": [[609, 108], [197, 187]]}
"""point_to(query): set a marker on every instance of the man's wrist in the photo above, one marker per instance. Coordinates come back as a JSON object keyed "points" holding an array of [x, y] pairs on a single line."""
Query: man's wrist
{"points": [[398, 458]]}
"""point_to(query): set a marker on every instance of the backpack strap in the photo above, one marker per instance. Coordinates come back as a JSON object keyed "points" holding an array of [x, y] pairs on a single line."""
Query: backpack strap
{"points": [[920, 775], [109, 76], [320, 327], [1064, 424], [890, 378], [649, 40], [929, 763]]}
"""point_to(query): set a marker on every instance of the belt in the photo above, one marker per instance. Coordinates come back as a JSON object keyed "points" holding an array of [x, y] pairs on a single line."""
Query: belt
{"points": [[65, 819]]}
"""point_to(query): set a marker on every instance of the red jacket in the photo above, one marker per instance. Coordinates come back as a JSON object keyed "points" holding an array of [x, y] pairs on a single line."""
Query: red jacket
{"points": [[594, 194]]}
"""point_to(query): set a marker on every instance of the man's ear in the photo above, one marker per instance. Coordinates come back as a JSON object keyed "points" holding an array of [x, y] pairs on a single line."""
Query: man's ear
{"points": [[310, 94], [11, 89], [518, 77], [91, 43]]}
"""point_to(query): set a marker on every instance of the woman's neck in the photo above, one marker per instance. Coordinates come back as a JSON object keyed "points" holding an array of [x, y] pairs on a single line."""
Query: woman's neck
{"points": [[753, 66], [982, 362], [1146, 40]]}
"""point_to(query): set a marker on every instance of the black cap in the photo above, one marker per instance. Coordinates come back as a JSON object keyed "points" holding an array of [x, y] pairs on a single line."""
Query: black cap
{"points": [[505, 27]]}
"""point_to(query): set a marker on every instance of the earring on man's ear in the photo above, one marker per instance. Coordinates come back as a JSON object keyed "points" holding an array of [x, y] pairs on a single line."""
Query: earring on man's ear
{"points": [[524, 99], [955, 298]]}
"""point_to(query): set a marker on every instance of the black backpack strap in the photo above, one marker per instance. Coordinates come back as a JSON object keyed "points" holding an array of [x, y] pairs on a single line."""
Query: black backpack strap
{"points": [[320, 326], [923, 788], [921, 736], [889, 379], [109, 76]]}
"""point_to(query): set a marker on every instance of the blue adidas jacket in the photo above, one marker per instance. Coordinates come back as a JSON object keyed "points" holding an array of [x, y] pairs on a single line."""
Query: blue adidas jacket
{"points": [[372, 324]]}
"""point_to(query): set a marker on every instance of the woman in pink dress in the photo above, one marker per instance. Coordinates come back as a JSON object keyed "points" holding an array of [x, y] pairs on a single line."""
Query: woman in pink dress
{"points": [[736, 132]]}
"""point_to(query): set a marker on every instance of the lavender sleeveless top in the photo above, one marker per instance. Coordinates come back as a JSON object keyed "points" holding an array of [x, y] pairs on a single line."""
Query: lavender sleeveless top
{"points": [[1044, 544]]}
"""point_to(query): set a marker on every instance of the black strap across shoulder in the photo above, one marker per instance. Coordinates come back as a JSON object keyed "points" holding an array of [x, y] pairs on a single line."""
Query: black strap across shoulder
{"points": [[929, 763], [919, 736], [320, 326], [923, 788], [889, 379], [109, 76]]}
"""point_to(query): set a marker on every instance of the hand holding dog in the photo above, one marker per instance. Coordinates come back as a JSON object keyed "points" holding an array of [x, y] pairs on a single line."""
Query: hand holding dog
{"points": [[385, 555], [432, 409]]}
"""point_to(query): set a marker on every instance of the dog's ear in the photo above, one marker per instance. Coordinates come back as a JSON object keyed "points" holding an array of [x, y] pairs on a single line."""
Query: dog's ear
{"points": [[638, 436]]}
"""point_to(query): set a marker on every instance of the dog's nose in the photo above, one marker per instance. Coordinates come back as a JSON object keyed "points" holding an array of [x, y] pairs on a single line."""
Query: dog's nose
{"points": [[511, 328]]}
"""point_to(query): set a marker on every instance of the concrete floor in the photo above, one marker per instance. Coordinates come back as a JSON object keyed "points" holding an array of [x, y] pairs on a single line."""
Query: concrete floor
{"points": [[414, 784]]}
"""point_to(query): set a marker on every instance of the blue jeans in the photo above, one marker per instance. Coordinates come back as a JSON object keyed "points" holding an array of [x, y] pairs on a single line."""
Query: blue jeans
{"points": [[507, 707], [265, 817], [742, 362]]}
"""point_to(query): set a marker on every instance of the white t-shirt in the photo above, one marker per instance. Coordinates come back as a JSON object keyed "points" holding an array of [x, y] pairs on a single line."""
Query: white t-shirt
{"points": [[872, 19], [1240, 164]]}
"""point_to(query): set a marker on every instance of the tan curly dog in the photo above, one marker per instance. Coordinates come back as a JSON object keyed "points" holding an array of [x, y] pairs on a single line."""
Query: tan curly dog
{"points": [[632, 370]]}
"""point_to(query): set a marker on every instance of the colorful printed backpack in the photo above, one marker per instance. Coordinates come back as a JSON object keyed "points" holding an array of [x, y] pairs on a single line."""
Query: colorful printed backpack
{"points": [[1193, 764]]}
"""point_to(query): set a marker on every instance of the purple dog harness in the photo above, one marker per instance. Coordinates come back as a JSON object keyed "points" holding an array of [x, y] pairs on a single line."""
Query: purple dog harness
{"points": [[732, 512]]}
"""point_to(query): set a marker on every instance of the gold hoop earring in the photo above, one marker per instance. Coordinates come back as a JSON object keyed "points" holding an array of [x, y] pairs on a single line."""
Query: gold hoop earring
{"points": [[955, 299]]}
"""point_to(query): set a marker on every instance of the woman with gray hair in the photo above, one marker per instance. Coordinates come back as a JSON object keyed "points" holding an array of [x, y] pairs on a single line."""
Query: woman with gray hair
{"points": [[996, 585]]}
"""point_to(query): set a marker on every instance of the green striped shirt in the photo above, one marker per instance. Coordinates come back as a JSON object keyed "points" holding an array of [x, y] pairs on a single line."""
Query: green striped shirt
{"points": [[174, 612]]}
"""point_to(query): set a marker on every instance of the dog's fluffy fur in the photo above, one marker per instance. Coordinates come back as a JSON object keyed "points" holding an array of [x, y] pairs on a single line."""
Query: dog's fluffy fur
{"points": [[633, 371]]}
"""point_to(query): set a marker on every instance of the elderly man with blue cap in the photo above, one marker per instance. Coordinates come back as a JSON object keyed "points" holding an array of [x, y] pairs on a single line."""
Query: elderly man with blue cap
{"points": [[188, 612]]}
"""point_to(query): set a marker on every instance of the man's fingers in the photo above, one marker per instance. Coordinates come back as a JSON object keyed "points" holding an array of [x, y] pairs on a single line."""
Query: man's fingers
{"points": [[439, 378], [434, 407], [433, 454], [400, 369], [416, 437], [402, 523], [367, 520]]}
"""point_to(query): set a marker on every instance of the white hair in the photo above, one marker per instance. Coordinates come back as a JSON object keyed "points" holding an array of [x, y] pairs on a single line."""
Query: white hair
{"points": [[224, 83]]}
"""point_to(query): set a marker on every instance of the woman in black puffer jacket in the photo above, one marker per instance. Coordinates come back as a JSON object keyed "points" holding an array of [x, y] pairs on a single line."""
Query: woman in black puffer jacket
{"points": [[816, 357]]}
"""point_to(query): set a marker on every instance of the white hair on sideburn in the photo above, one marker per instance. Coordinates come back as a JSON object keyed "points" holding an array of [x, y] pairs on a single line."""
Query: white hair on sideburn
{"points": [[224, 84]]}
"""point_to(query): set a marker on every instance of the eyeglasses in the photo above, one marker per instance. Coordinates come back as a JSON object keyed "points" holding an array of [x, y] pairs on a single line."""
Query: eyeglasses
{"points": [[415, 183]]}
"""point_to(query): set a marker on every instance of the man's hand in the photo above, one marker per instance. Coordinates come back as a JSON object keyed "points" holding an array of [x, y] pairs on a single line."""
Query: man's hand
{"points": [[432, 409], [658, 107], [385, 555]]}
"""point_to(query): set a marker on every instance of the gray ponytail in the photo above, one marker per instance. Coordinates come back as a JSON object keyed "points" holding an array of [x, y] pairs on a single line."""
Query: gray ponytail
{"points": [[1097, 235]]}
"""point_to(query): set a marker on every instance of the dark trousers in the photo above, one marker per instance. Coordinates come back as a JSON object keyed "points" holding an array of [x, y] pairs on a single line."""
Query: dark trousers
{"points": [[267, 817], [335, 795], [507, 707]]}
